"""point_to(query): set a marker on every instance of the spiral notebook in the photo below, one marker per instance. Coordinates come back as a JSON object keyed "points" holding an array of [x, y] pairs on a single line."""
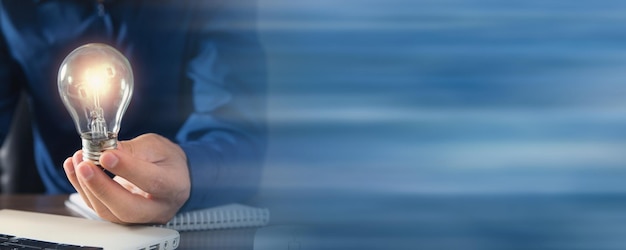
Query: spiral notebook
{"points": [[220, 217]]}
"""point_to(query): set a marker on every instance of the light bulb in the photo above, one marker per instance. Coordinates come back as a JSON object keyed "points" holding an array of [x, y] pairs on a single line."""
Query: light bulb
{"points": [[96, 84]]}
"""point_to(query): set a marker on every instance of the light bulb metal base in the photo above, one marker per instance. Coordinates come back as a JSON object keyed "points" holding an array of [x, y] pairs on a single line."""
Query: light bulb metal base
{"points": [[94, 146]]}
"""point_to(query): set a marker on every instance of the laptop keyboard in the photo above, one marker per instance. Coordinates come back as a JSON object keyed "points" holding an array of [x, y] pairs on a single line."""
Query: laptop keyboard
{"points": [[15, 243]]}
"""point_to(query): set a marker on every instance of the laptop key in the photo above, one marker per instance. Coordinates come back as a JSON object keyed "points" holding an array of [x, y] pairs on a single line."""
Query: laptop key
{"points": [[5, 237]]}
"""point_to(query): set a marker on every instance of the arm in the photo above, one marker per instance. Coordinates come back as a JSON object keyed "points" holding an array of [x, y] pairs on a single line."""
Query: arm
{"points": [[225, 137]]}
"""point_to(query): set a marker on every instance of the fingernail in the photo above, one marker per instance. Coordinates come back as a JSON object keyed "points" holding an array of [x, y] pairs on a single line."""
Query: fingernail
{"points": [[85, 171], [109, 160]]}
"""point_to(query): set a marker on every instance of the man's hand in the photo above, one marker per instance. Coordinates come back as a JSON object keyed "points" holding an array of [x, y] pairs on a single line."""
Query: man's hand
{"points": [[151, 183]]}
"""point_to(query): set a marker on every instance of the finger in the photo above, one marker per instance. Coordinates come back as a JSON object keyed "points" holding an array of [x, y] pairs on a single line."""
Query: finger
{"points": [[113, 200], [152, 148], [75, 160], [70, 172], [86, 173], [77, 157]]}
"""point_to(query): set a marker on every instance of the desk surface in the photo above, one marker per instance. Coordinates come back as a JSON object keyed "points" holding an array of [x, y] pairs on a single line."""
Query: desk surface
{"points": [[52, 204], [335, 220], [217, 239]]}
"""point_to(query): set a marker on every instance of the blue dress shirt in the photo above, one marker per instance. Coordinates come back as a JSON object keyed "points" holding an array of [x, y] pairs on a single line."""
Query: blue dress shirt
{"points": [[199, 81]]}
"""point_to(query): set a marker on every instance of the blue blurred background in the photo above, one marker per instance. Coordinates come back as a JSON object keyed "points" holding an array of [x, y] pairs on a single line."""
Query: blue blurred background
{"points": [[448, 124]]}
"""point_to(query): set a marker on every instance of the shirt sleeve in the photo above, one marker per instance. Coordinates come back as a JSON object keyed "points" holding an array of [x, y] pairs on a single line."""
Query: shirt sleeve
{"points": [[224, 138]]}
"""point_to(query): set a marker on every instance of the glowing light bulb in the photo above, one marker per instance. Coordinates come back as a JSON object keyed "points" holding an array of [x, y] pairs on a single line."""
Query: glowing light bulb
{"points": [[96, 84]]}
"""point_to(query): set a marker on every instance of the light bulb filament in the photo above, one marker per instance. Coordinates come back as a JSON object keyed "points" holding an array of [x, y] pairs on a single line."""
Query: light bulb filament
{"points": [[97, 124]]}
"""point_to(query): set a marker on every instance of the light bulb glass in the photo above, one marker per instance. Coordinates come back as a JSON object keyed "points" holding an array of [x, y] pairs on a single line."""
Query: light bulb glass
{"points": [[96, 84]]}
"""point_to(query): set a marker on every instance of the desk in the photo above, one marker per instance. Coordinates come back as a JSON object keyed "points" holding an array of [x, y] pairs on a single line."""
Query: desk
{"points": [[363, 221], [216, 239]]}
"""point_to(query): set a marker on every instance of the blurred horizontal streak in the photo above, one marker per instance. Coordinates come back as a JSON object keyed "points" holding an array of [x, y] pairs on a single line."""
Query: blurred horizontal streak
{"points": [[517, 154], [445, 22], [389, 180], [361, 113], [358, 25], [409, 15]]}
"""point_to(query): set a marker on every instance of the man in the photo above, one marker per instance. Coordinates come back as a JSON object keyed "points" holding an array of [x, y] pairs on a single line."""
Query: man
{"points": [[194, 134]]}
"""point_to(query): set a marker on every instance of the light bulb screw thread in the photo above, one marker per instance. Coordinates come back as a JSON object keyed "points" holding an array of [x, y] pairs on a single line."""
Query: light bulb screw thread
{"points": [[93, 147]]}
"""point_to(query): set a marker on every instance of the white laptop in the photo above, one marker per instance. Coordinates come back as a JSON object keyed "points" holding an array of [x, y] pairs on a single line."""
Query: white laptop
{"points": [[17, 225]]}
